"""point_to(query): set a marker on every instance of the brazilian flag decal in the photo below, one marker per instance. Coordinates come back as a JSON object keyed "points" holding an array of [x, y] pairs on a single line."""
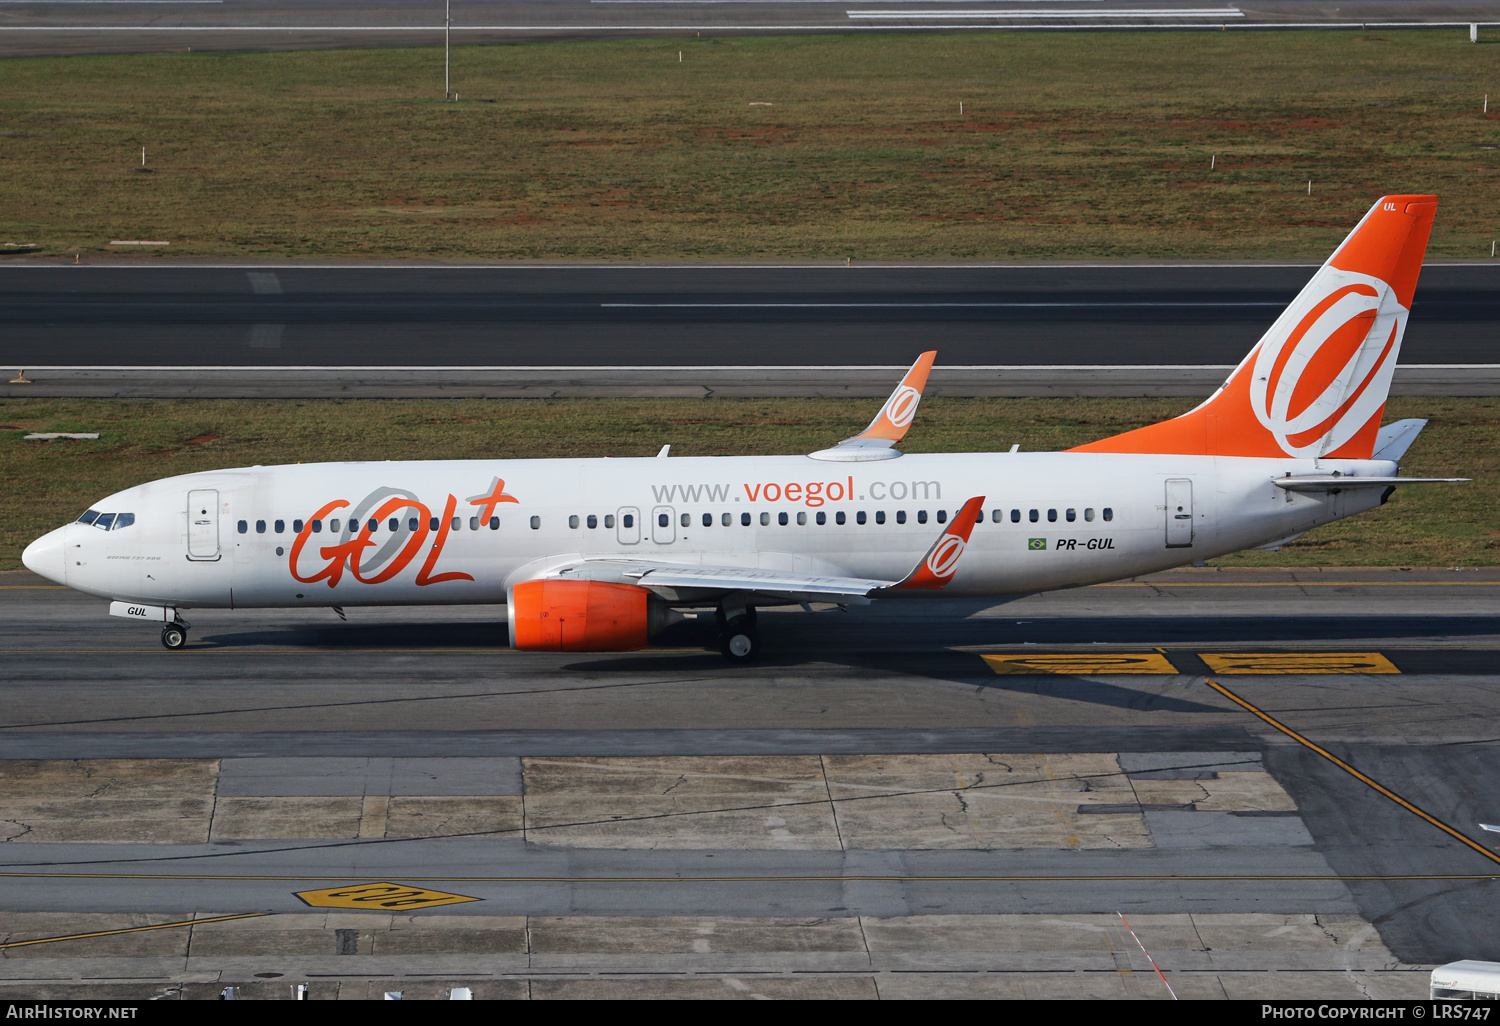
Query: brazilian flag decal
{"points": [[1037, 544]]}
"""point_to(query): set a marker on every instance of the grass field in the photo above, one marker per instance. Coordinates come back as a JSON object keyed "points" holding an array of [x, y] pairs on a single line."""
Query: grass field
{"points": [[43, 485], [824, 147]]}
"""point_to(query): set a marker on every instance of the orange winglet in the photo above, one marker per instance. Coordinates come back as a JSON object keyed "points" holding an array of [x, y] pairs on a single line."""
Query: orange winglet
{"points": [[1316, 383], [941, 562], [900, 409]]}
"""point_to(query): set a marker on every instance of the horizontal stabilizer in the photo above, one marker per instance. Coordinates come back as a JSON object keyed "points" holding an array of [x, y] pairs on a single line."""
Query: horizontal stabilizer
{"points": [[1331, 482], [1394, 439]]}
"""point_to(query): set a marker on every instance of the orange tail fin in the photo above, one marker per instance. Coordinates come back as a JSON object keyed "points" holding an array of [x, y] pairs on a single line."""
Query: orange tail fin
{"points": [[1316, 383]]}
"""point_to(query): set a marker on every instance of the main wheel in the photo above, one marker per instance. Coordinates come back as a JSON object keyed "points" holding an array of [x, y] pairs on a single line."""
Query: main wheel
{"points": [[740, 644], [174, 636]]}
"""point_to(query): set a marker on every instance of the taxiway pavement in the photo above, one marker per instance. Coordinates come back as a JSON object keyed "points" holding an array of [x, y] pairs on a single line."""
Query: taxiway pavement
{"points": [[1391, 671]]}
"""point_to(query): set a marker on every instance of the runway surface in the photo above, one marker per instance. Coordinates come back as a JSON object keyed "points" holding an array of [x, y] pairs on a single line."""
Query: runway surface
{"points": [[1390, 671], [61, 27], [540, 330]]}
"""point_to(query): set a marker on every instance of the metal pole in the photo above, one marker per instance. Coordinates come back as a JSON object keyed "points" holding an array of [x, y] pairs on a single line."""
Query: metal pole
{"points": [[447, 24]]}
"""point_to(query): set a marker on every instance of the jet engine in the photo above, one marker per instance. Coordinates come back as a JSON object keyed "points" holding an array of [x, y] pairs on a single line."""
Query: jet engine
{"points": [[553, 615]]}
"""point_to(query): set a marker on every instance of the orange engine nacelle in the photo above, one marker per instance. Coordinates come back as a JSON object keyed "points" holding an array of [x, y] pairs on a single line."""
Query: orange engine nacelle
{"points": [[578, 616]]}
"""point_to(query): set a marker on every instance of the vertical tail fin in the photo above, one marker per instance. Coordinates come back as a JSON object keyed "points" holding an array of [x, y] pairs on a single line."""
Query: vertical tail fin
{"points": [[1316, 383]]}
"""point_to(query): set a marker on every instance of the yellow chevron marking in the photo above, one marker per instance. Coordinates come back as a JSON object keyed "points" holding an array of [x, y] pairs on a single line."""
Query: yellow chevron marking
{"points": [[1081, 664], [1297, 662]]}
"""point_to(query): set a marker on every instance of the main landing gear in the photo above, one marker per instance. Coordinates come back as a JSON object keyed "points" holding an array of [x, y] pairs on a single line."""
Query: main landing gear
{"points": [[738, 639], [174, 635]]}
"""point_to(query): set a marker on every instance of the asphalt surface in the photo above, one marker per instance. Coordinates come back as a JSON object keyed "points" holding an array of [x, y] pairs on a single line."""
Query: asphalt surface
{"points": [[420, 683], [689, 316], [43, 27]]}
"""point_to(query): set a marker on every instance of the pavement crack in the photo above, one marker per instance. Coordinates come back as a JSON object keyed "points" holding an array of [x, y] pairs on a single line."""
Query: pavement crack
{"points": [[25, 829], [682, 779]]}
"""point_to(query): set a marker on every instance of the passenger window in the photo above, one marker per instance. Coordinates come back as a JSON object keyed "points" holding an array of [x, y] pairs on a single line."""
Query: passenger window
{"points": [[432, 523], [744, 519], [296, 527], [573, 522], [260, 525], [1015, 516], [822, 519], [781, 519], [859, 518], [457, 525], [838, 518], [411, 525], [708, 519], [687, 520], [726, 519], [942, 516], [394, 524], [609, 520], [1109, 514], [880, 516], [280, 527], [900, 516], [89, 516], [104, 521], [592, 522], [494, 523], [333, 525], [662, 520], [765, 519], [473, 523], [242, 527], [1033, 516], [124, 520], [1072, 515], [921, 516], [1088, 513], [801, 519], [536, 523], [997, 515]]}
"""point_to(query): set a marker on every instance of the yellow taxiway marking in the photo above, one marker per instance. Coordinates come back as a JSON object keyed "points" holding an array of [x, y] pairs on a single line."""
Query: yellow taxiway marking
{"points": [[131, 929], [1356, 774], [383, 895], [1081, 664], [1297, 662]]}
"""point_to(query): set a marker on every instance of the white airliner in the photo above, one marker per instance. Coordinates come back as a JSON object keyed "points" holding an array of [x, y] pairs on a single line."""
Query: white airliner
{"points": [[598, 554]]}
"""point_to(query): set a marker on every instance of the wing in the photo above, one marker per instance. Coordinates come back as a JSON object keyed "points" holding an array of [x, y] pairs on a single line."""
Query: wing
{"points": [[688, 583], [877, 441]]}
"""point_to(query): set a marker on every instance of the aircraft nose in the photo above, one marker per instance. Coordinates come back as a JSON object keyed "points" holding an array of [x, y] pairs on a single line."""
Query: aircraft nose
{"points": [[47, 556]]}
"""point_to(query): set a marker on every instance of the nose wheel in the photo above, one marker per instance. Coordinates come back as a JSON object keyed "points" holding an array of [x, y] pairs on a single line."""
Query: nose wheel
{"points": [[174, 636]]}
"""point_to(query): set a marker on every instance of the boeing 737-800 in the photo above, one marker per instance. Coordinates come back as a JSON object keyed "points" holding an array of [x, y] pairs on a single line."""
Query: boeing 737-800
{"points": [[597, 554]]}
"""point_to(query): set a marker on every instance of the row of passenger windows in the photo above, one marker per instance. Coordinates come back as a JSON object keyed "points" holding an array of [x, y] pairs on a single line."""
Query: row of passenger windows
{"points": [[627, 520], [107, 521], [392, 525]]}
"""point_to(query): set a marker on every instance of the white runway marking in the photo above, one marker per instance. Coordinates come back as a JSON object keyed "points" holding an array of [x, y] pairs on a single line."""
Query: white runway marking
{"points": [[1162, 12], [903, 306]]}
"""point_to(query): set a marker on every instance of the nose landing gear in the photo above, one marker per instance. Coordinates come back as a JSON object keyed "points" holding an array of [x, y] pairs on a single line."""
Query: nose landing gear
{"points": [[175, 635]]}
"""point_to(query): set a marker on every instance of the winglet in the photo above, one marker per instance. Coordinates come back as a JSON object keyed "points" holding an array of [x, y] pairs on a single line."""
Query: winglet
{"points": [[941, 562], [890, 424]]}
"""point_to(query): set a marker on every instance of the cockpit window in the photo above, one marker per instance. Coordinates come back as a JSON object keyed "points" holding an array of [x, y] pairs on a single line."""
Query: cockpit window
{"points": [[104, 521], [89, 516], [123, 520]]}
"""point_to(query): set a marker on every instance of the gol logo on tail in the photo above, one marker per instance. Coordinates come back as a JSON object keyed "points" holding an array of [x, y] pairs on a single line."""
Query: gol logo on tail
{"points": [[1316, 387]]}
